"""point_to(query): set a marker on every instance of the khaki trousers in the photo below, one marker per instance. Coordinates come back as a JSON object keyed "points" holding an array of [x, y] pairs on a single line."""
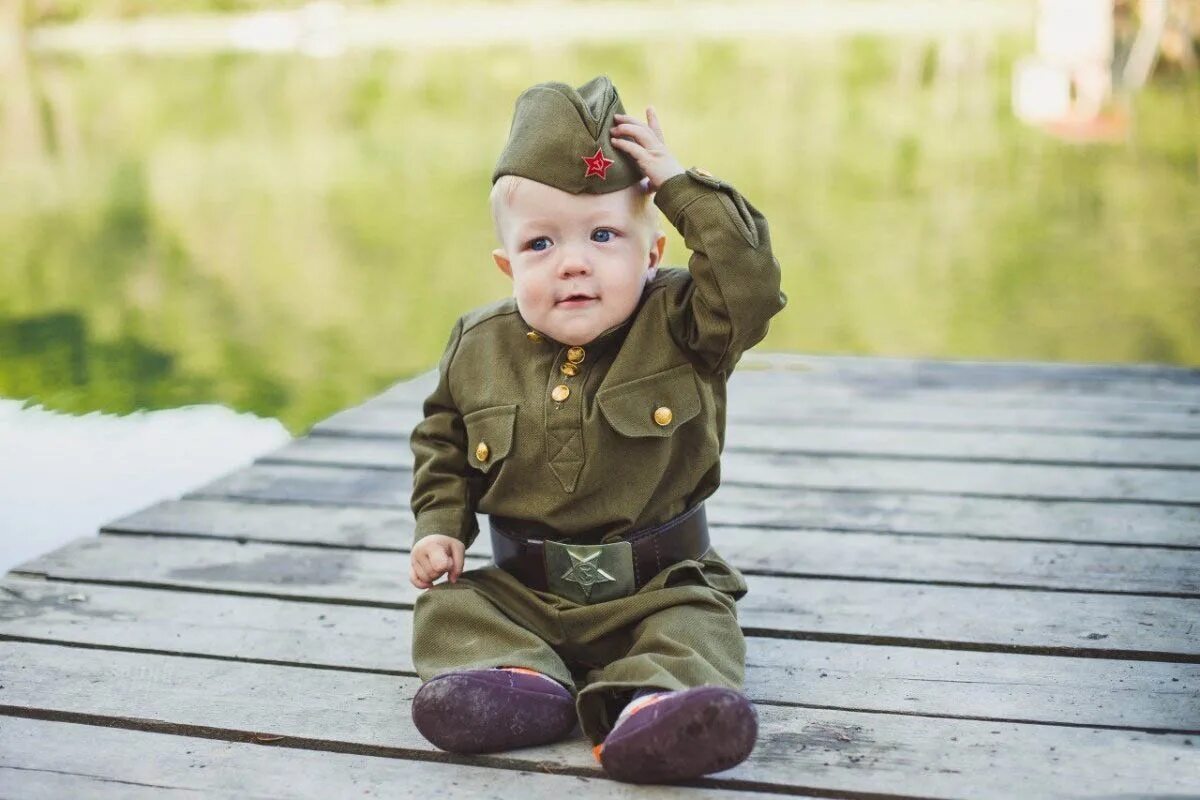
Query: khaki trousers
{"points": [[679, 630]]}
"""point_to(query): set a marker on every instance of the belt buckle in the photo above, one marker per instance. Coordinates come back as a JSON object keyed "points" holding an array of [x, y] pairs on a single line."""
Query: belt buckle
{"points": [[589, 573]]}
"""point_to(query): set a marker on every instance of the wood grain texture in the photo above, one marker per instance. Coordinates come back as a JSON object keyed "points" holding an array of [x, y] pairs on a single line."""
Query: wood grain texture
{"points": [[72, 760], [967, 579], [1124, 626], [901, 512], [859, 677], [985, 381], [803, 406], [802, 553], [841, 473], [797, 747]]}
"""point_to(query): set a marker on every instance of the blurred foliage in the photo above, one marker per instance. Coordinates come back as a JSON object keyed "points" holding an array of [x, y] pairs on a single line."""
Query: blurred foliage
{"points": [[287, 236], [38, 12]]}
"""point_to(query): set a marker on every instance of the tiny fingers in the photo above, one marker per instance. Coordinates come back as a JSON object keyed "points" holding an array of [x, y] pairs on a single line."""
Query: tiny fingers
{"points": [[655, 124], [632, 148], [628, 128], [425, 569], [639, 133]]}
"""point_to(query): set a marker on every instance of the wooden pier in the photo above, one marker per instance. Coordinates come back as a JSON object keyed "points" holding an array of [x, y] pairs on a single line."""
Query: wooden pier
{"points": [[967, 580]]}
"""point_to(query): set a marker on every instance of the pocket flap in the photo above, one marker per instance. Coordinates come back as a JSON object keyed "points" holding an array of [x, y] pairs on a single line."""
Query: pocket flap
{"points": [[651, 406], [489, 434]]}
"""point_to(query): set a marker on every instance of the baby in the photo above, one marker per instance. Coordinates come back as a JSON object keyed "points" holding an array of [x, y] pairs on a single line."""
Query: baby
{"points": [[586, 416]]}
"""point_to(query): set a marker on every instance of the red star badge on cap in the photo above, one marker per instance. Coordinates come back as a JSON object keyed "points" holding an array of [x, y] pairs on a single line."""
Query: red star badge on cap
{"points": [[597, 165]]}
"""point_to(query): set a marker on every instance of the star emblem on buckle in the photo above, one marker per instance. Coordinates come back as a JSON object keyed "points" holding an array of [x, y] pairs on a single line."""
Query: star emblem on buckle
{"points": [[597, 165], [585, 573]]}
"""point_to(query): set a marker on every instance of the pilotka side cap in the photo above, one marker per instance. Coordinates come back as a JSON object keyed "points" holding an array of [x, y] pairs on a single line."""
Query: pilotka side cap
{"points": [[560, 137]]}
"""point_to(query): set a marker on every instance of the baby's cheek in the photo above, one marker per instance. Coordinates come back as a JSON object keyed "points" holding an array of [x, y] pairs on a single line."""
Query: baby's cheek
{"points": [[531, 292]]}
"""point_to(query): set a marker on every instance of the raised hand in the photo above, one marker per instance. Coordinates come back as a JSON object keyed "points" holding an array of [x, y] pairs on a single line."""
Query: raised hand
{"points": [[645, 143]]}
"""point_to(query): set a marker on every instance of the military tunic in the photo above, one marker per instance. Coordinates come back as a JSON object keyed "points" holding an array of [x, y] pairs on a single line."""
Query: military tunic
{"points": [[585, 444]]}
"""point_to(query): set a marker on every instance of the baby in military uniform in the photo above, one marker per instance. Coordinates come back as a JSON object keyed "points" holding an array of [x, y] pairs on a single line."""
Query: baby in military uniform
{"points": [[585, 415]]}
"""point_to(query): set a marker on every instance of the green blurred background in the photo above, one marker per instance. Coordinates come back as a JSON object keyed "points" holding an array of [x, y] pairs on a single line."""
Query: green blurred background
{"points": [[287, 235]]}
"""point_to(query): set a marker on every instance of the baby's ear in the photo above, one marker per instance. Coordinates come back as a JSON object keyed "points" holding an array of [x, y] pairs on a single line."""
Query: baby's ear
{"points": [[502, 261], [657, 248]]}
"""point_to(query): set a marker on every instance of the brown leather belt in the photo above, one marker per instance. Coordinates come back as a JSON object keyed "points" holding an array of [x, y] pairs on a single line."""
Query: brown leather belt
{"points": [[592, 573]]}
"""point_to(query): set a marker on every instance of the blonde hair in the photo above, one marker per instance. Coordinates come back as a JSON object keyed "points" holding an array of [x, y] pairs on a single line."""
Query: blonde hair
{"points": [[641, 202]]}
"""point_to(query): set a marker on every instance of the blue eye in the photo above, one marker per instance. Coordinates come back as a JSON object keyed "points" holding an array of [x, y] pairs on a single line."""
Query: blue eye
{"points": [[533, 245], [602, 232]]}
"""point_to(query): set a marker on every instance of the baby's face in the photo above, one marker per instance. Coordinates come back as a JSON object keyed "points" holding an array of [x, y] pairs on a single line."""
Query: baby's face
{"points": [[578, 262]]}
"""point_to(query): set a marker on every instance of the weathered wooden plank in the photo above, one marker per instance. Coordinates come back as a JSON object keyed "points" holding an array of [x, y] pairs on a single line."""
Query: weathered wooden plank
{"points": [[1176, 402], [1169, 411], [966, 684], [350, 526], [879, 373], [307, 484], [806, 553], [1050, 520], [1122, 626], [1018, 481], [797, 470], [801, 407], [818, 440], [983, 381], [802, 748], [1096, 398], [55, 760]]}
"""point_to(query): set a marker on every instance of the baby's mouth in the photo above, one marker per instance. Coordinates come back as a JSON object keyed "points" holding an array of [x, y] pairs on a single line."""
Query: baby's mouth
{"points": [[577, 299]]}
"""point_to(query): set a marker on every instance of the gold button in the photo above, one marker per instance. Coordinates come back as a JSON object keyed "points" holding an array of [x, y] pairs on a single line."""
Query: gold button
{"points": [[575, 354], [533, 336], [662, 415], [569, 369], [560, 392], [703, 172], [482, 452]]}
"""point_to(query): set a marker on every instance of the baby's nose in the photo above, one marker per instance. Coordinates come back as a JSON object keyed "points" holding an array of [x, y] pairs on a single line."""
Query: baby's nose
{"points": [[574, 264]]}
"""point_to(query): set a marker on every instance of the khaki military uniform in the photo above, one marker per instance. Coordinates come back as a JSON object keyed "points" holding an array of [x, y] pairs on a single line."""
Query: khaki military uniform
{"points": [[586, 444]]}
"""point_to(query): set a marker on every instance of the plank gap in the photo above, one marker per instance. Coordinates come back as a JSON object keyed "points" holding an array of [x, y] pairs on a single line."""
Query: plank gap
{"points": [[765, 573], [201, 494], [115, 529], [953, 644]]}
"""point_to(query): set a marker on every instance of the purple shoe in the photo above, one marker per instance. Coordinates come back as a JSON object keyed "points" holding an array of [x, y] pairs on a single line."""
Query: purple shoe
{"points": [[490, 710], [682, 735]]}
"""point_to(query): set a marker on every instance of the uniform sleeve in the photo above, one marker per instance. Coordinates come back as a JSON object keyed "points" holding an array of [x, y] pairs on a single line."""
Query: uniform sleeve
{"points": [[442, 487], [735, 279]]}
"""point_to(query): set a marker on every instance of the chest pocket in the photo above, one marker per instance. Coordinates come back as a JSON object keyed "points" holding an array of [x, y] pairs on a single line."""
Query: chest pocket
{"points": [[489, 435], [651, 406]]}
